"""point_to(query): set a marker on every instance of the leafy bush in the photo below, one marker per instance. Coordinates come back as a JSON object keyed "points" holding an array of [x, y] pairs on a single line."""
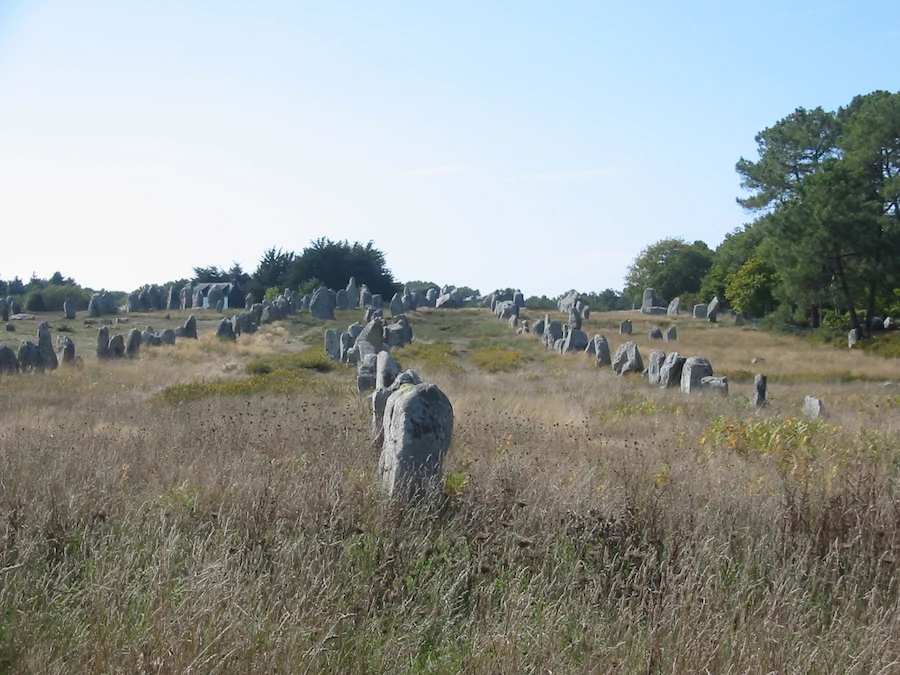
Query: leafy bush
{"points": [[311, 358], [34, 302], [498, 358], [435, 356]]}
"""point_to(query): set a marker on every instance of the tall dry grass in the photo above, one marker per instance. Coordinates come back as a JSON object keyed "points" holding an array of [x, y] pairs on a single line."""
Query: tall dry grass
{"points": [[588, 523]]}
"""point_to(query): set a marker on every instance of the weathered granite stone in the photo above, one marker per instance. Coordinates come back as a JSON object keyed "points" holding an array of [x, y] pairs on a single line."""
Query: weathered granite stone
{"points": [[66, 354], [10, 327], [574, 322], [654, 365], [671, 334], [758, 397], [514, 322], [355, 329], [45, 346], [342, 300], [553, 331], [890, 323], [133, 303], [386, 370], [670, 370], [656, 333], [692, 373], [450, 300], [69, 309], [373, 333], [431, 296], [853, 337], [366, 370], [381, 396], [365, 297], [9, 362], [674, 307], [519, 299], [167, 337], [189, 329], [333, 344], [699, 312], [352, 294], [418, 426], [576, 341], [598, 347], [812, 407], [714, 385], [4, 310], [625, 327], [103, 343], [30, 359], [712, 310], [225, 331], [323, 303], [567, 302], [186, 296], [538, 329], [627, 359], [396, 305], [652, 303], [133, 344]]}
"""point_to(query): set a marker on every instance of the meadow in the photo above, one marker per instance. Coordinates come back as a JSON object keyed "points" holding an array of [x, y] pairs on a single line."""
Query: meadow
{"points": [[212, 508]]}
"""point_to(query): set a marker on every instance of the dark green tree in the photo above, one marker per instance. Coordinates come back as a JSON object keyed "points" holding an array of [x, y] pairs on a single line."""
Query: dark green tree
{"points": [[272, 270], [671, 267], [334, 262], [211, 274]]}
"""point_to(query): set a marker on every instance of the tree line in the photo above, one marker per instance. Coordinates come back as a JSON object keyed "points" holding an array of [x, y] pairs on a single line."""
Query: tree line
{"points": [[823, 245]]}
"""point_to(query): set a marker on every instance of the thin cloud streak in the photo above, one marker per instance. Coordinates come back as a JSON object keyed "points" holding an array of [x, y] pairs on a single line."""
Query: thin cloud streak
{"points": [[573, 175], [438, 170]]}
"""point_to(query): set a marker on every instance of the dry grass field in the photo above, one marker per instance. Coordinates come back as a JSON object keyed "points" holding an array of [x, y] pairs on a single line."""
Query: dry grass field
{"points": [[212, 508]]}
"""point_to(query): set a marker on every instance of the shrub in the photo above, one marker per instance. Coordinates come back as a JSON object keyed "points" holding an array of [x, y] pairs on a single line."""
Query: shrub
{"points": [[34, 302], [498, 358]]}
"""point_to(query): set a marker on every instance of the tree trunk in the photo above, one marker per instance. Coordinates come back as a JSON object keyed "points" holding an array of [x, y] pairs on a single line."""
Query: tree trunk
{"points": [[870, 305], [854, 319]]}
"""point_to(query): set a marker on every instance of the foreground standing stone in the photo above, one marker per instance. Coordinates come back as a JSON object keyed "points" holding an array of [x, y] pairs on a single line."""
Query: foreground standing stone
{"points": [[45, 345], [693, 372], [627, 359], [657, 358], [418, 426], [758, 398], [812, 407], [599, 349], [9, 362], [670, 370]]}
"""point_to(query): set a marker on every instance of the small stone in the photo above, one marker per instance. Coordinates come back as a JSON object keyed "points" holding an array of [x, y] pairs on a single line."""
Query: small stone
{"points": [[812, 407]]}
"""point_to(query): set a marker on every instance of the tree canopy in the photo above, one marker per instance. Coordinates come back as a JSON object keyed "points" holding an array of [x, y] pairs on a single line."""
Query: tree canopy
{"points": [[672, 267], [334, 262]]}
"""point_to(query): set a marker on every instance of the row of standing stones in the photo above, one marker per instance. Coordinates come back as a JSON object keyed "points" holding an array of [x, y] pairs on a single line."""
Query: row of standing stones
{"points": [[690, 374], [412, 419]]}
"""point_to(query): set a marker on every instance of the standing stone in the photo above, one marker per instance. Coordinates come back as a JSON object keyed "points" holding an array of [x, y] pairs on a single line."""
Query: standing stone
{"points": [[598, 347], [366, 370], [519, 299], [45, 346], [538, 329], [69, 309], [197, 298], [812, 407], [377, 302], [103, 343], [373, 333], [133, 303], [189, 330], [386, 370], [714, 385], [225, 330], [173, 300], [116, 346], [650, 302], [758, 397], [365, 297], [418, 427], [352, 293], [342, 300], [656, 333], [396, 305], [567, 302], [133, 344], [514, 321], [628, 359], [670, 370], [625, 327], [333, 344], [431, 296], [167, 337], [186, 297], [14, 306], [853, 337], [553, 331], [248, 301], [674, 307], [30, 360], [692, 373], [699, 311], [4, 310], [9, 362], [66, 351], [654, 366], [323, 303], [355, 329], [10, 327], [671, 334], [712, 310], [574, 319], [345, 342], [220, 307], [576, 341]]}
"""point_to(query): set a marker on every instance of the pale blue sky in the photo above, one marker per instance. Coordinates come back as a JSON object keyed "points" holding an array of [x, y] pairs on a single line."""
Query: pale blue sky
{"points": [[529, 144]]}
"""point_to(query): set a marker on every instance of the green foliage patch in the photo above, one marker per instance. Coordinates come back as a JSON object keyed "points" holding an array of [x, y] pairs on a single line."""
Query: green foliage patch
{"points": [[311, 358], [496, 358], [436, 357]]}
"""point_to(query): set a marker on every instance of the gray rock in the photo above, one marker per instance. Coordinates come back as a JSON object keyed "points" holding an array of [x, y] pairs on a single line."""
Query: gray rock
{"points": [[189, 330], [248, 301], [149, 338], [133, 303], [505, 309], [574, 322], [670, 370], [377, 301], [538, 327], [652, 303], [352, 292], [576, 341], [386, 370], [567, 302], [366, 371], [558, 345], [396, 305], [812, 407], [674, 307], [450, 300], [757, 359], [342, 300], [346, 341], [66, 355], [714, 385], [656, 333], [431, 296], [514, 322], [30, 360], [242, 323], [323, 303], [133, 344], [553, 331], [381, 396], [117, 346], [699, 312], [519, 299], [654, 365], [13, 305], [9, 362], [395, 336], [269, 314], [10, 327], [45, 346], [598, 347], [365, 297], [625, 327], [69, 309], [418, 427], [355, 329], [173, 300], [333, 344], [890, 323], [225, 330], [692, 373], [627, 359], [186, 296], [167, 337], [103, 343], [373, 333], [758, 397], [853, 337], [4, 310], [713, 309], [284, 306]]}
